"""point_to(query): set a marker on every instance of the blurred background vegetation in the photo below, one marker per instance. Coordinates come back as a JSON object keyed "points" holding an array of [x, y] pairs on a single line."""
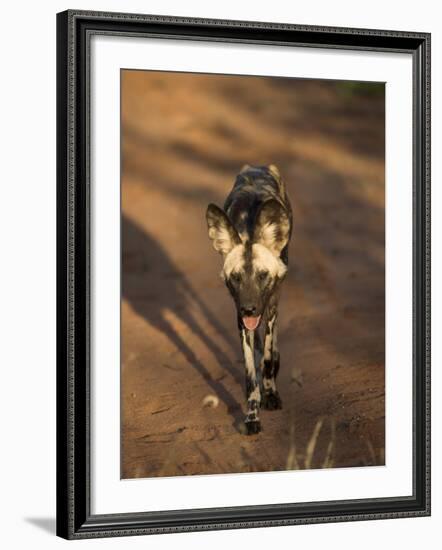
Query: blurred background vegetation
{"points": [[349, 88]]}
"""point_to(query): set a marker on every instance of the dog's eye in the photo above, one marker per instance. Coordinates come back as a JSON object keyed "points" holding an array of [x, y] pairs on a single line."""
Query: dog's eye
{"points": [[235, 277], [262, 276]]}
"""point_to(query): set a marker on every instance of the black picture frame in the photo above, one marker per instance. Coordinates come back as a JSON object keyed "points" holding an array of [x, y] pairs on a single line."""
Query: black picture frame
{"points": [[74, 518]]}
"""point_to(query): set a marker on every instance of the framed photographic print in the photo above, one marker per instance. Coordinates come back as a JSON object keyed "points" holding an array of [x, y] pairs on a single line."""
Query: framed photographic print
{"points": [[243, 274]]}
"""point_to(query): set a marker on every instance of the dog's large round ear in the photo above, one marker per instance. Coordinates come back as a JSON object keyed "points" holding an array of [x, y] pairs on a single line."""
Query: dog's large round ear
{"points": [[272, 226], [221, 231]]}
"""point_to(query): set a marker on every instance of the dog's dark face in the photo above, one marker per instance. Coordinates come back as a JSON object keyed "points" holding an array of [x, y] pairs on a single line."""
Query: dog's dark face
{"points": [[252, 266]]}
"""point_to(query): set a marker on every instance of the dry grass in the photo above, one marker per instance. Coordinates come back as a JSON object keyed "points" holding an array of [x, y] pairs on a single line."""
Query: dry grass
{"points": [[297, 460]]}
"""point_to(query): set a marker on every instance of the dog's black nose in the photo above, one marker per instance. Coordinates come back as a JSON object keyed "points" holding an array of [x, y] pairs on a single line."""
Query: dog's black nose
{"points": [[248, 311]]}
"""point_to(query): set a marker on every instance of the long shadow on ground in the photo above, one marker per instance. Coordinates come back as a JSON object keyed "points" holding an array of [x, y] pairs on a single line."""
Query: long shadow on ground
{"points": [[143, 255]]}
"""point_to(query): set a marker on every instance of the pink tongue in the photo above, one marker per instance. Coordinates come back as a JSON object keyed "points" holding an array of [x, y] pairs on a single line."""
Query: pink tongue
{"points": [[251, 322]]}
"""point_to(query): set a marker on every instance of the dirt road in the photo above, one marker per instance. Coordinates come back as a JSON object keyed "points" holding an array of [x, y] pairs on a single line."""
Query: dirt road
{"points": [[184, 139]]}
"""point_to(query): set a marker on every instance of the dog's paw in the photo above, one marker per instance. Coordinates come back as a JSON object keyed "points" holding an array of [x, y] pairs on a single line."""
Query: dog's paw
{"points": [[252, 427], [271, 401]]}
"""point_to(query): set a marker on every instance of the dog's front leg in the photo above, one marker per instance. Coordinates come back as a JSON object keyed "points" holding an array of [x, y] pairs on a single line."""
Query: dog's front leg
{"points": [[270, 365], [253, 425]]}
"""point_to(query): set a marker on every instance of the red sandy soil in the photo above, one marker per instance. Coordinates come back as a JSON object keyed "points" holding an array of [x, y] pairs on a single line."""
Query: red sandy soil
{"points": [[184, 139]]}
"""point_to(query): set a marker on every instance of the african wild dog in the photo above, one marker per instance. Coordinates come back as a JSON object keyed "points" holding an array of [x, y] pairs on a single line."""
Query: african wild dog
{"points": [[252, 233]]}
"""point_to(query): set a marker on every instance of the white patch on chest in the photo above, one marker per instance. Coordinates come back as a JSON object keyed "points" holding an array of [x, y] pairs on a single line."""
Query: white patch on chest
{"points": [[264, 260], [248, 354]]}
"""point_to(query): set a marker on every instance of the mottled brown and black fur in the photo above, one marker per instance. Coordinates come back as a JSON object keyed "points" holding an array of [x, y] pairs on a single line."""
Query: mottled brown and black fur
{"points": [[252, 233]]}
